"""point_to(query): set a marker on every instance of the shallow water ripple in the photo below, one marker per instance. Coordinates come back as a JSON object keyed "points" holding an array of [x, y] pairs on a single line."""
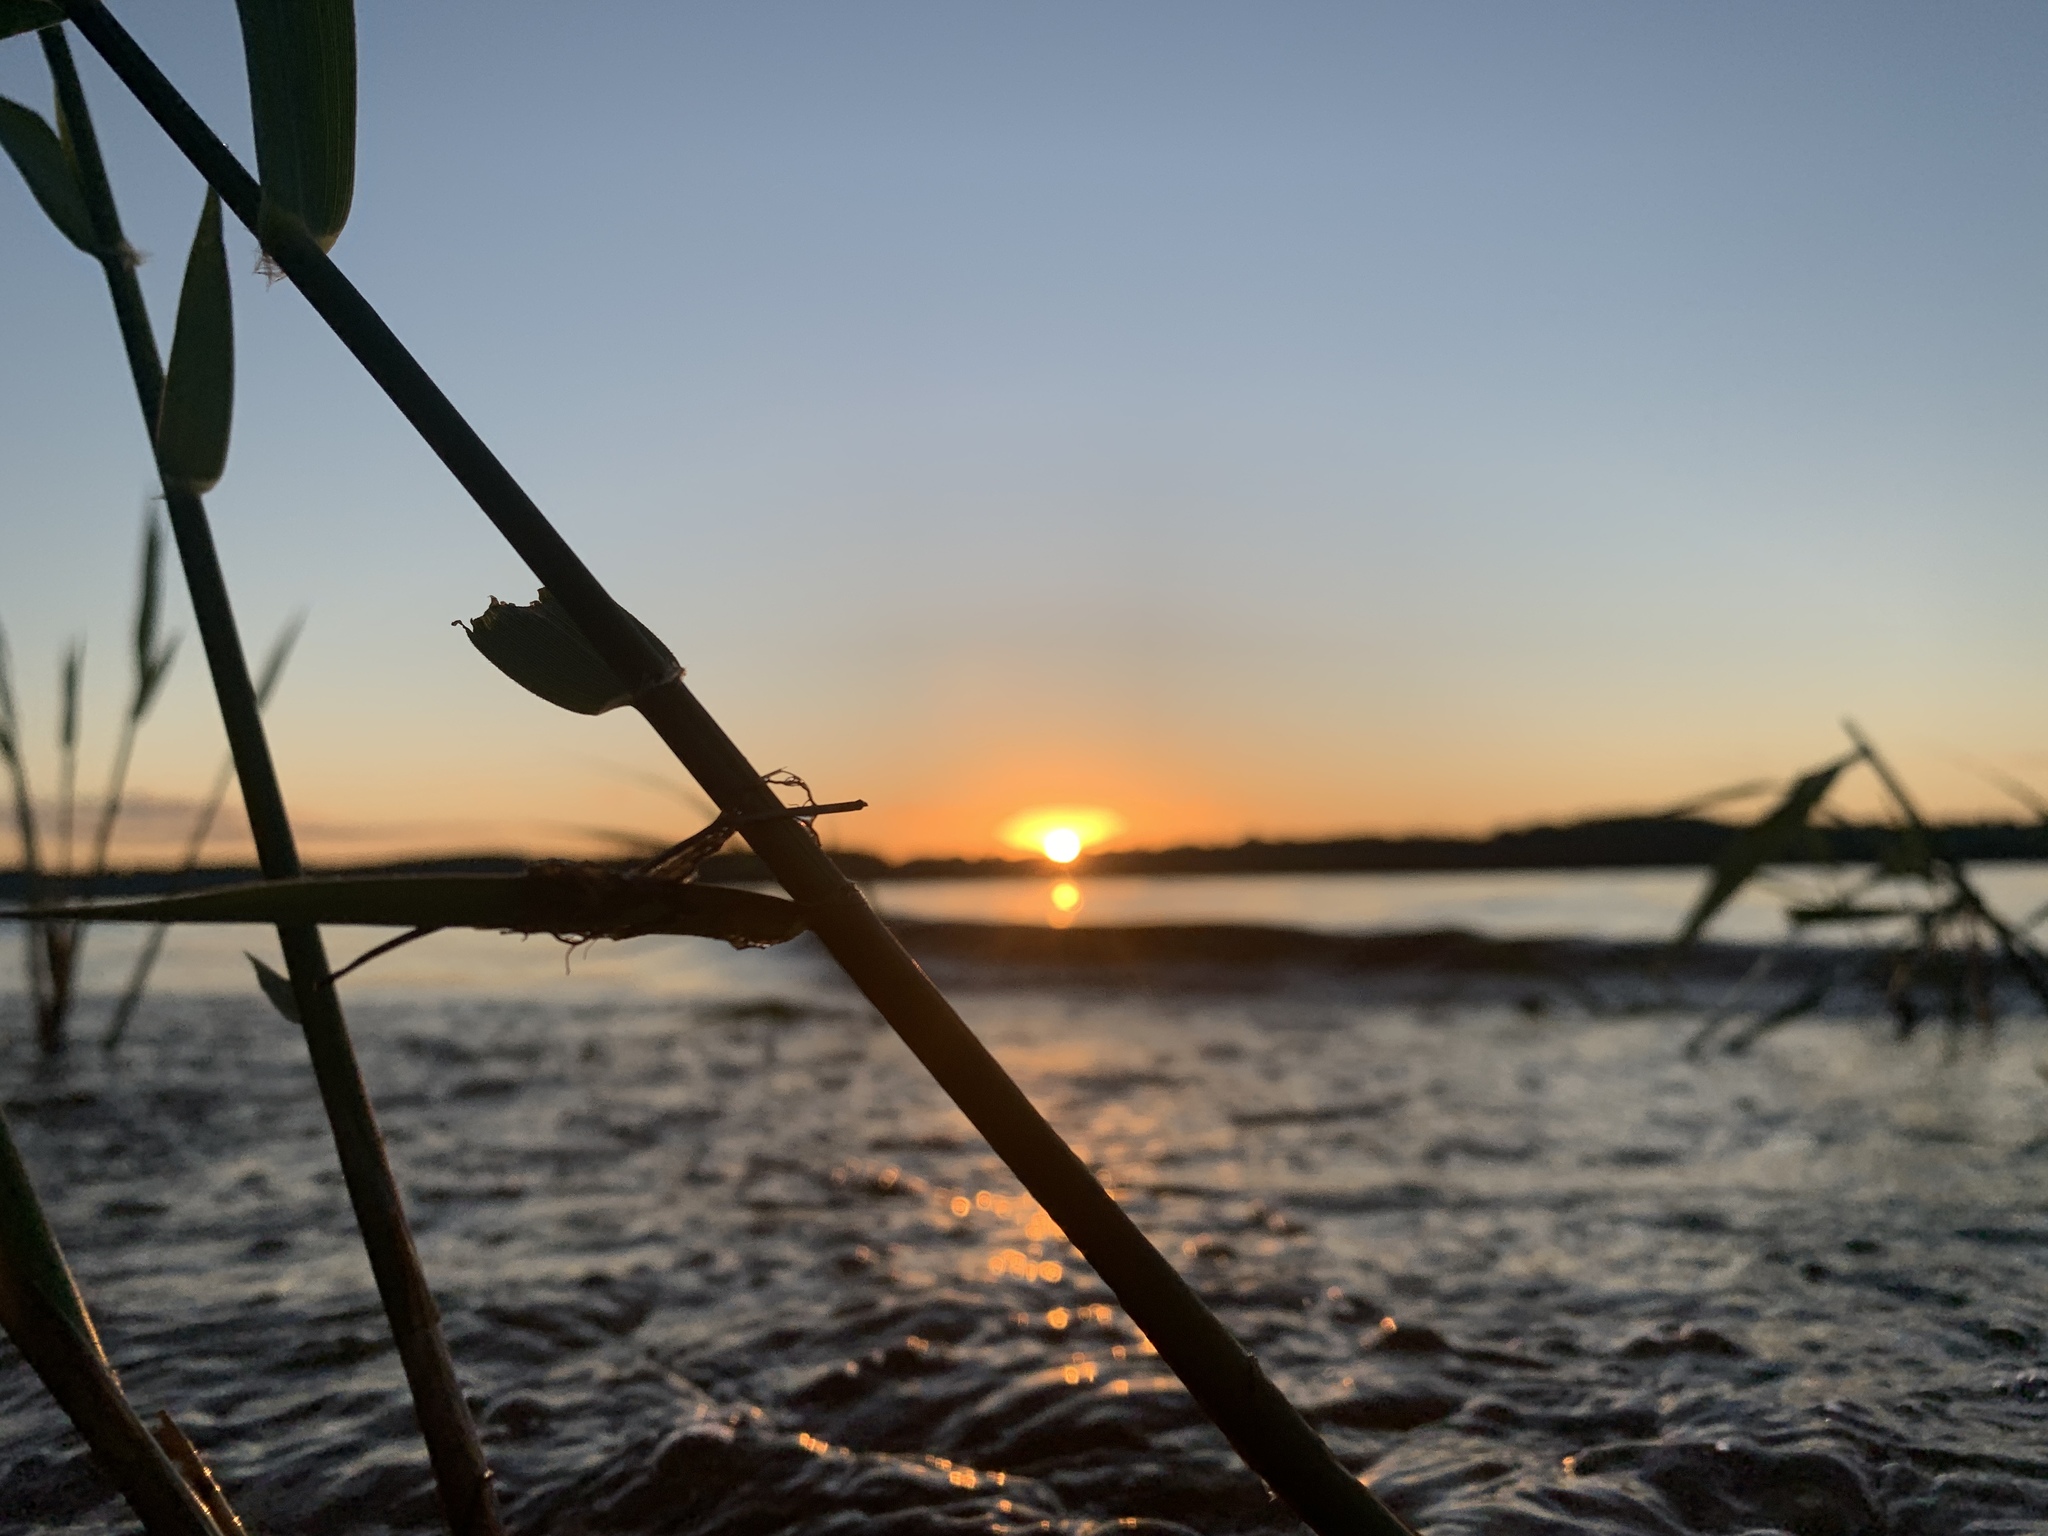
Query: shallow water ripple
{"points": [[734, 1266]]}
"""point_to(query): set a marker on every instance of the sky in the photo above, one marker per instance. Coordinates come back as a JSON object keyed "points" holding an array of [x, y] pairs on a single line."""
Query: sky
{"points": [[1253, 420]]}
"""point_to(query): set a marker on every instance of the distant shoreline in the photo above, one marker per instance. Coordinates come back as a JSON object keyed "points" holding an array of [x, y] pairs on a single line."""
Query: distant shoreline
{"points": [[1628, 843]]}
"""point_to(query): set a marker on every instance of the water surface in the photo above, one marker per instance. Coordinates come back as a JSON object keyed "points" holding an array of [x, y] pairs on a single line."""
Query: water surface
{"points": [[716, 1257]]}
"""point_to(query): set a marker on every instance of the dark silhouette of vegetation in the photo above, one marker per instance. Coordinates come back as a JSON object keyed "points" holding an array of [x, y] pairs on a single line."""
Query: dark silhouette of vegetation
{"points": [[1914, 895], [54, 942], [301, 65]]}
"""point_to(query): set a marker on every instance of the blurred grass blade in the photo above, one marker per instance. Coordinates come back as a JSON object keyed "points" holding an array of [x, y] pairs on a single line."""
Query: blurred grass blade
{"points": [[571, 901], [540, 648], [199, 385], [277, 988], [38, 154], [25, 827], [1767, 840], [18, 16], [71, 681], [195, 841], [153, 654], [301, 57]]}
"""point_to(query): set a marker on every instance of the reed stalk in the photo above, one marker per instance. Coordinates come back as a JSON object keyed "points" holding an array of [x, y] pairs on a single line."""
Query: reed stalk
{"points": [[26, 832], [60, 940], [462, 1477], [46, 1318], [195, 845], [1266, 1430], [64, 942]]}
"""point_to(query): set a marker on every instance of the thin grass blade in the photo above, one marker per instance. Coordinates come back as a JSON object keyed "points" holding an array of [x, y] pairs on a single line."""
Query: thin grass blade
{"points": [[301, 57], [199, 385], [540, 648], [38, 154]]}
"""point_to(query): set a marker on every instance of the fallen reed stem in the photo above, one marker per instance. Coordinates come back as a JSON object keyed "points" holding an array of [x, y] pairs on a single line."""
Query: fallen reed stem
{"points": [[1266, 1430], [461, 1474]]}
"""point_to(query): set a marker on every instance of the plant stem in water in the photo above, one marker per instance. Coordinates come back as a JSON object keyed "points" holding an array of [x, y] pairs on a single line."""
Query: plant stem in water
{"points": [[461, 1474], [1265, 1428]]}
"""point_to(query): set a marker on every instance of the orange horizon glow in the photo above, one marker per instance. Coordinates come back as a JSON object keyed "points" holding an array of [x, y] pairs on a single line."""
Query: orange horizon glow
{"points": [[1060, 832]]}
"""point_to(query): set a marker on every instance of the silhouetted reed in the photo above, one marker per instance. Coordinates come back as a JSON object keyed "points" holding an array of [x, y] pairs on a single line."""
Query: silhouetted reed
{"points": [[1948, 925], [46, 1319], [55, 943], [301, 73]]}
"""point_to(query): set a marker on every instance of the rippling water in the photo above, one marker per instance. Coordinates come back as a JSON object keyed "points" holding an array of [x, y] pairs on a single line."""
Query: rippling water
{"points": [[716, 1257]]}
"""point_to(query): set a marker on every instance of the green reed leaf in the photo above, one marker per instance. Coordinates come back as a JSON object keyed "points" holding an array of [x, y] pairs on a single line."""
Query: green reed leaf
{"points": [[277, 988], [540, 648], [302, 95], [18, 16], [199, 385], [1767, 840], [38, 154], [31, 1247], [571, 901]]}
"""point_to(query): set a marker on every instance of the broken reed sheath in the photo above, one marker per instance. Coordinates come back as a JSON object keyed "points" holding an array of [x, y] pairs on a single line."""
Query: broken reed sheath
{"points": [[461, 1474], [1260, 1423]]}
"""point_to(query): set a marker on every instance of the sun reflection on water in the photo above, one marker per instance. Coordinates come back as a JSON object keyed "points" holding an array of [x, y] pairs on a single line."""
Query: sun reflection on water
{"points": [[1065, 897]]}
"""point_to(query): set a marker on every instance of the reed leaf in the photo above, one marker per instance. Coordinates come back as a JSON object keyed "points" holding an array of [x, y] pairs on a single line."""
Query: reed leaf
{"points": [[540, 648], [462, 1475], [38, 154], [277, 988], [302, 96], [26, 1237], [18, 16], [199, 385], [1761, 843], [570, 901], [46, 1319]]}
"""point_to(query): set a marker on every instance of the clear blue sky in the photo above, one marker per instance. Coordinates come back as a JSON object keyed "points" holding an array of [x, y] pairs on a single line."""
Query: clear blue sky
{"points": [[1275, 419]]}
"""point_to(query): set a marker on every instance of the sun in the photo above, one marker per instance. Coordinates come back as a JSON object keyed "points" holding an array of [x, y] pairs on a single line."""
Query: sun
{"points": [[1061, 844], [1061, 833]]}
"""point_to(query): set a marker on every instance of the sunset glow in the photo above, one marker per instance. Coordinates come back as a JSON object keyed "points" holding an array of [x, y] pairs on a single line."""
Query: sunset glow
{"points": [[1060, 832]]}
